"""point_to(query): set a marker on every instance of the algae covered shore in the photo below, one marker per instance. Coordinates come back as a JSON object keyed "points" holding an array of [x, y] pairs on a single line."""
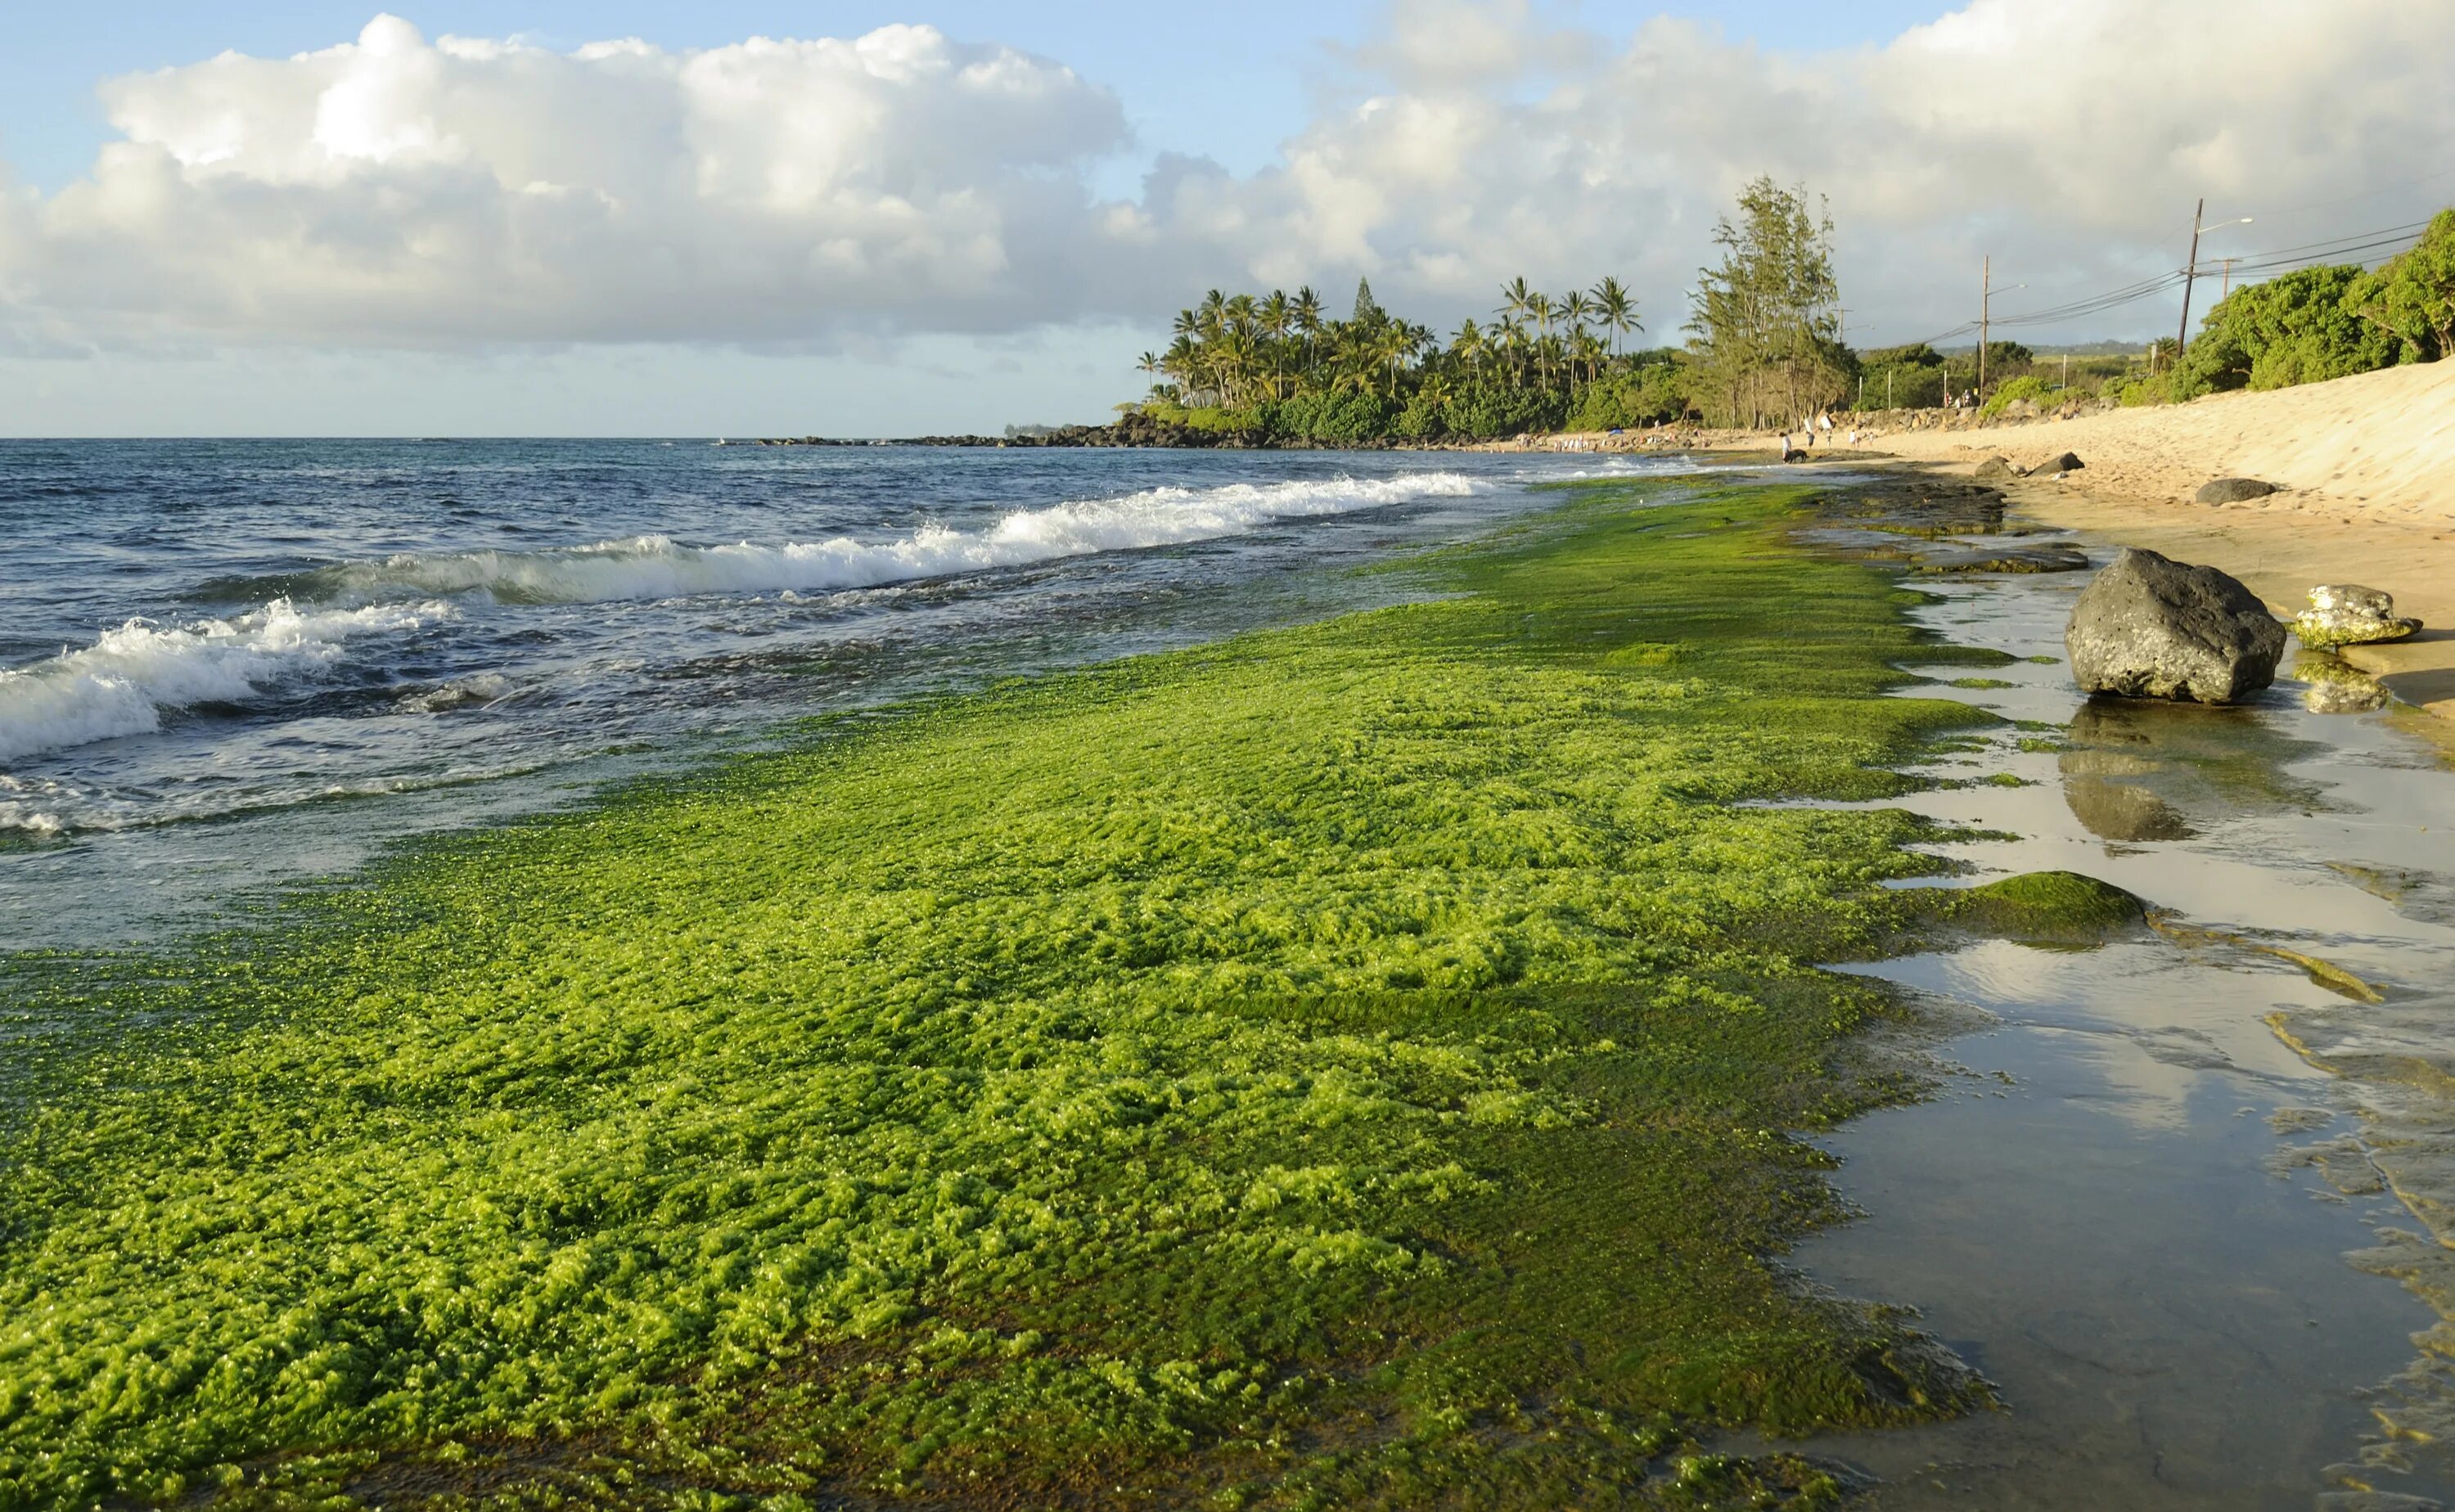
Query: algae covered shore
{"points": [[1338, 1067]]}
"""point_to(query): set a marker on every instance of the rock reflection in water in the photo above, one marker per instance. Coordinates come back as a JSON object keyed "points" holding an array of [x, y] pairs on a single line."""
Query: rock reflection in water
{"points": [[2333, 685], [2137, 770]]}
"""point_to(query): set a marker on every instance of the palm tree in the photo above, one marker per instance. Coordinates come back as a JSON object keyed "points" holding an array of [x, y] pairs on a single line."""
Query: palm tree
{"points": [[1618, 310], [1469, 345], [1574, 310], [1306, 311], [1539, 306], [1150, 366], [1276, 314], [1509, 337], [1183, 362], [1587, 348], [1396, 343], [1516, 298]]}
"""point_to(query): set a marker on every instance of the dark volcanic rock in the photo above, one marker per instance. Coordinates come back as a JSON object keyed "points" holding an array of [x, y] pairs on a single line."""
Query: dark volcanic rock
{"points": [[1995, 468], [2233, 491], [2151, 628], [2068, 462]]}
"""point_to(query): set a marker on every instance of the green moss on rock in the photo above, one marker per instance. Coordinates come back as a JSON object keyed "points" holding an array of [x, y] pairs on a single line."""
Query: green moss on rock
{"points": [[2061, 908]]}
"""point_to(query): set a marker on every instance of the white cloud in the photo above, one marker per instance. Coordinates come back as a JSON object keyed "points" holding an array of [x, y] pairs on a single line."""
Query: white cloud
{"points": [[396, 191], [466, 192]]}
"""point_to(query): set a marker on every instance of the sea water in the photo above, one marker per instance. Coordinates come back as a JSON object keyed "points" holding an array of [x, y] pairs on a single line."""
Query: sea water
{"points": [[227, 664]]}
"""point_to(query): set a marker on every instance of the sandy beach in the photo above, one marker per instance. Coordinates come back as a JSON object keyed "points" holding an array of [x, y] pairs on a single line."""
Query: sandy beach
{"points": [[2362, 467]]}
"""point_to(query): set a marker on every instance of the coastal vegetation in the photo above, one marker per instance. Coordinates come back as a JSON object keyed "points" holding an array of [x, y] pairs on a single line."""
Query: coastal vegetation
{"points": [[2327, 322], [1763, 348], [1276, 368], [1340, 1067]]}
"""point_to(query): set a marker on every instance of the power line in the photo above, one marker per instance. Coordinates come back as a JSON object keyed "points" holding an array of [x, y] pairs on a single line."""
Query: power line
{"points": [[2280, 259]]}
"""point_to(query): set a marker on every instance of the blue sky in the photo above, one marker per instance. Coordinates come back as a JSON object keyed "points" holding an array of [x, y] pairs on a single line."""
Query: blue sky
{"points": [[403, 237]]}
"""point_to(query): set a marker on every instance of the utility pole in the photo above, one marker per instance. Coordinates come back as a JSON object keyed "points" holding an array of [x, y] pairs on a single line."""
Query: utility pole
{"points": [[1985, 304], [2228, 277], [2190, 270]]}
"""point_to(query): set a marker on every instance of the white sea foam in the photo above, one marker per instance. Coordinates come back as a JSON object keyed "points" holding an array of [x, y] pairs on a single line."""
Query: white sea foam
{"points": [[120, 684], [656, 566]]}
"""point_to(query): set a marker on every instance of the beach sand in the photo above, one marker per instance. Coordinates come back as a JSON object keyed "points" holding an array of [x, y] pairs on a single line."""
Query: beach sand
{"points": [[2365, 467]]}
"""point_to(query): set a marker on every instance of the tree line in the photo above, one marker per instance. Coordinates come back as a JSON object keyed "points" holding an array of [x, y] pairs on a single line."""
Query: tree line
{"points": [[1762, 347]]}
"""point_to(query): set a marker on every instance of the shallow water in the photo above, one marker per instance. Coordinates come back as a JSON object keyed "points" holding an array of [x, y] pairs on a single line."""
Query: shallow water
{"points": [[228, 663], [2136, 1207]]}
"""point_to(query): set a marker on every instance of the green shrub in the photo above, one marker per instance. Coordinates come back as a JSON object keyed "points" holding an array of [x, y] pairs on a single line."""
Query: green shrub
{"points": [[1210, 420], [2304, 327], [1338, 419], [1488, 409], [1629, 400], [2029, 387], [2412, 298], [1905, 385], [1421, 420]]}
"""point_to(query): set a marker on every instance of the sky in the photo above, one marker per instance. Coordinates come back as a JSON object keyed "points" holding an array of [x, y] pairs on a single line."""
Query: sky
{"points": [[889, 218]]}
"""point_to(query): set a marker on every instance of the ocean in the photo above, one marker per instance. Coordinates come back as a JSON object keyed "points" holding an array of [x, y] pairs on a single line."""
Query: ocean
{"points": [[228, 665]]}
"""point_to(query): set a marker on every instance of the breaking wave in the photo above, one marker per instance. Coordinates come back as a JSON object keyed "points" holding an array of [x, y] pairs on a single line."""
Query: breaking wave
{"points": [[650, 566], [121, 684]]}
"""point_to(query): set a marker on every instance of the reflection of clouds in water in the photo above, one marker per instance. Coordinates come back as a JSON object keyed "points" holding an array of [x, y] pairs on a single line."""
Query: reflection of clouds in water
{"points": [[2151, 1026]]}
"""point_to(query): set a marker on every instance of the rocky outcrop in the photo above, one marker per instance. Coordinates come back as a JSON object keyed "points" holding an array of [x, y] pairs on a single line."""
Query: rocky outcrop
{"points": [[2349, 614], [2148, 627], [1996, 469], [2057, 467], [2233, 491]]}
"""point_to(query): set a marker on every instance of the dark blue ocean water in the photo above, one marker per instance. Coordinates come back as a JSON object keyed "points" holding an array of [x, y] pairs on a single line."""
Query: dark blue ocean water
{"points": [[227, 663]]}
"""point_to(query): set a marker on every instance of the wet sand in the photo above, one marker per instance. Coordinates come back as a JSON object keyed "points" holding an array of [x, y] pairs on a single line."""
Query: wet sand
{"points": [[2170, 1186]]}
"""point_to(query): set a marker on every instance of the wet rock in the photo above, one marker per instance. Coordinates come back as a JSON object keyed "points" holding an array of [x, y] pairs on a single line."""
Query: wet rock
{"points": [[2233, 491], [2045, 558], [2057, 467], [1929, 508], [2349, 614], [2063, 908], [1997, 468], [2149, 627]]}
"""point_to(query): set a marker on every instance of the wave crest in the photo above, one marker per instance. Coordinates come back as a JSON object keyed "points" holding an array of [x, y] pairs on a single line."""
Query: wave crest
{"points": [[650, 566], [121, 684]]}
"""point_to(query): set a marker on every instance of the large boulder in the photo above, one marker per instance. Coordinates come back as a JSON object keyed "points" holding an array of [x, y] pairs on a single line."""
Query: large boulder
{"points": [[1996, 467], [2349, 614], [2233, 491], [2058, 466], [2148, 627]]}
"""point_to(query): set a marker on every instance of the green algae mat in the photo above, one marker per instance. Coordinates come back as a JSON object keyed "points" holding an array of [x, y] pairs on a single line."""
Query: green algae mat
{"points": [[1342, 1066]]}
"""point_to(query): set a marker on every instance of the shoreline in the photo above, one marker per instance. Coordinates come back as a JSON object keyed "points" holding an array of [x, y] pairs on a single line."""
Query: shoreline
{"points": [[2362, 493], [1341, 1006]]}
